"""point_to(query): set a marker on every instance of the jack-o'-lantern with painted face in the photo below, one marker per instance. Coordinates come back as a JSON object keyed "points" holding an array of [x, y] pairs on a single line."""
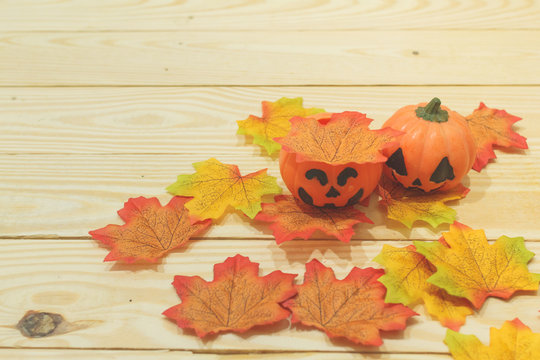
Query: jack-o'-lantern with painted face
{"points": [[333, 160], [320, 184], [436, 151]]}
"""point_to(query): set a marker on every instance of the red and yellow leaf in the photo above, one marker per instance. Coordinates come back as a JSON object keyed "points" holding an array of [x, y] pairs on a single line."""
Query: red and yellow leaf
{"points": [[410, 205], [405, 278], [236, 300], [470, 267], [352, 308], [150, 230], [492, 127], [343, 139], [216, 186], [292, 218], [513, 341], [274, 122]]}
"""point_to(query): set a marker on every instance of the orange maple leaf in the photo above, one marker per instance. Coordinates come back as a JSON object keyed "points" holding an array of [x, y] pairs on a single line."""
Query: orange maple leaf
{"points": [[274, 122], [513, 341], [344, 138], [292, 218], [492, 127], [150, 230], [405, 278], [410, 205], [236, 300], [468, 266], [352, 308], [216, 186]]}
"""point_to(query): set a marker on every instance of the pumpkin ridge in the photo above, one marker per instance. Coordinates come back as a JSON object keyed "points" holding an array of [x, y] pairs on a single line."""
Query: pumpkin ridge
{"points": [[421, 159]]}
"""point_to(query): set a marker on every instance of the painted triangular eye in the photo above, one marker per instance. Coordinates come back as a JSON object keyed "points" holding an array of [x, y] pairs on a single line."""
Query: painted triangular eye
{"points": [[397, 162], [319, 174], [444, 171], [345, 175]]}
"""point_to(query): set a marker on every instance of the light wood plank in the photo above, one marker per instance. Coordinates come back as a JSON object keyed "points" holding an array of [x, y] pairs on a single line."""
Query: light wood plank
{"points": [[197, 120], [24, 354], [57, 195], [270, 58], [125, 302], [88, 15]]}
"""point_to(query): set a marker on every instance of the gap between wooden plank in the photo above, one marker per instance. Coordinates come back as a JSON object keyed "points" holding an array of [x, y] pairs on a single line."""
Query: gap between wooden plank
{"points": [[67, 354], [180, 86], [243, 238], [229, 352], [77, 353], [172, 30]]}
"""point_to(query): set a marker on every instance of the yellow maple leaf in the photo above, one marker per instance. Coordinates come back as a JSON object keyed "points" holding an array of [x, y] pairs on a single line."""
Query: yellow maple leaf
{"points": [[514, 341], [472, 268], [410, 205], [215, 186], [274, 122], [405, 278]]}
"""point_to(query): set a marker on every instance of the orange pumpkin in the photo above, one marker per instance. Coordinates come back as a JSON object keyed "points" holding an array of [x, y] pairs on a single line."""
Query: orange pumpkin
{"points": [[321, 184], [437, 148], [328, 185]]}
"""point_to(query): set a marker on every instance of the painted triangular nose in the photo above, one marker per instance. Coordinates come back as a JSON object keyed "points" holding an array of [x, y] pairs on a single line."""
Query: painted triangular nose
{"points": [[332, 193]]}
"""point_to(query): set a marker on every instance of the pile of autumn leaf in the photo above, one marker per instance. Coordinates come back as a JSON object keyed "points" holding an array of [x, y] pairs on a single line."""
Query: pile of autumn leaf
{"points": [[452, 276]]}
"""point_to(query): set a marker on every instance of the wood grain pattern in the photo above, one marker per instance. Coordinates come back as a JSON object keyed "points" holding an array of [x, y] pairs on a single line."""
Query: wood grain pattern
{"points": [[89, 15], [102, 101], [124, 303], [53, 186], [163, 120], [24, 354], [57, 195], [423, 57]]}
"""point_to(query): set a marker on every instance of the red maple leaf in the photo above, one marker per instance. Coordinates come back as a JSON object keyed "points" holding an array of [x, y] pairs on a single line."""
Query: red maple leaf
{"points": [[352, 308], [344, 138], [236, 300], [492, 127], [292, 218], [150, 230]]}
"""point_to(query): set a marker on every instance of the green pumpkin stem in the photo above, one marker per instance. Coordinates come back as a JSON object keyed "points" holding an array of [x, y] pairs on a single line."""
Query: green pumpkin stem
{"points": [[432, 111]]}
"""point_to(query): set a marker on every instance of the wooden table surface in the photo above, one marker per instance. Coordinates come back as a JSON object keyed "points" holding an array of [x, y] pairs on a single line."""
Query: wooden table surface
{"points": [[101, 101]]}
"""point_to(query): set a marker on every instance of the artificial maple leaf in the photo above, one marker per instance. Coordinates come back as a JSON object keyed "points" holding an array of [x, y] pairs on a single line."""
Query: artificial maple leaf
{"points": [[292, 218], [150, 230], [471, 268], [215, 186], [352, 308], [342, 139], [405, 278], [513, 341], [274, 122], [410, 205], [492, 127], [236, 300]]}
